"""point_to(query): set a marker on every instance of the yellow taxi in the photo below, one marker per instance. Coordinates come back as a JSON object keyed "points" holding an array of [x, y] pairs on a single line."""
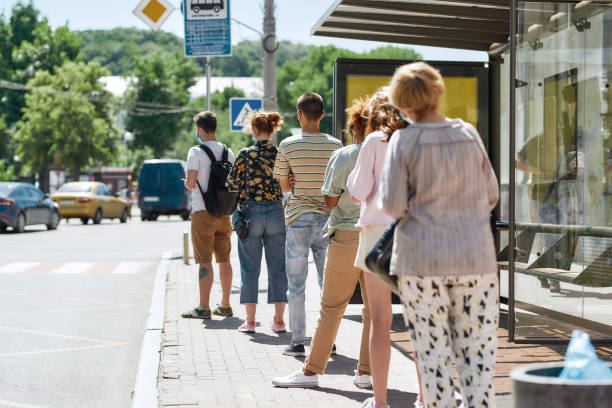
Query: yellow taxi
{"points": [[90, 199]]}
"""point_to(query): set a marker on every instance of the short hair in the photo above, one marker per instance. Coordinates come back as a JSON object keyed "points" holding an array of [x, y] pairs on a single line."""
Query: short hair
{"points": [[417, 86], [357, 119], [311, 105], [266, 122], [206, 120], [383, 115]]}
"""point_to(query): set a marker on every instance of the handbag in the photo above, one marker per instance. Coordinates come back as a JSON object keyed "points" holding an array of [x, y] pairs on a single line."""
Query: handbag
{"points": [[378, 259], [240, 219]]}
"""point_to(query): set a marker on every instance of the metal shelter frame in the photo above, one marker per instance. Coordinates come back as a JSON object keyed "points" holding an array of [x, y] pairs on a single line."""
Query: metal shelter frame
{"points": [[482, 25]]}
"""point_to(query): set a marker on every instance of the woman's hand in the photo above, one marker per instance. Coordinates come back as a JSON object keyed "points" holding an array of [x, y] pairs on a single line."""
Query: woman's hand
{"points": [[291, 180]]}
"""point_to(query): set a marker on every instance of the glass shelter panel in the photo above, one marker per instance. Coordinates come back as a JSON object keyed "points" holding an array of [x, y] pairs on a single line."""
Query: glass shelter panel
{"points": [[563, 159]]}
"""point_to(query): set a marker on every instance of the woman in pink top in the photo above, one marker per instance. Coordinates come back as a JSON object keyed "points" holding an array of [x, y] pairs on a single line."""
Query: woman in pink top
{"points": [[363, 183]]}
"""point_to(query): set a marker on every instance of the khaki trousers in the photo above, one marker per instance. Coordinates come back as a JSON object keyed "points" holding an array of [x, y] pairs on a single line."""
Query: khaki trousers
{"points": [[339, 282]]}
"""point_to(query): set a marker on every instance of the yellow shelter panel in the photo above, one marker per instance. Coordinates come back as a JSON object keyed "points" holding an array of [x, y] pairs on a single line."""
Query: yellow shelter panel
{"points": [[460, 99]]}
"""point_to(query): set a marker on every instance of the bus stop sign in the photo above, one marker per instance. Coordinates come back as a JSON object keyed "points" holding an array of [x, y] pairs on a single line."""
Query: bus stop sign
{"points": [[207, 28]]}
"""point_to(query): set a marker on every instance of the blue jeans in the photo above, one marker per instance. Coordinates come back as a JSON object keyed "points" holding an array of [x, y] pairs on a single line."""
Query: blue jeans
{"points": [[266, 229], [304, 234]]}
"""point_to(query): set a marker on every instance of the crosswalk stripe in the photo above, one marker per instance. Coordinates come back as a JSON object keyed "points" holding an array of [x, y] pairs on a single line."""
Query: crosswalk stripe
{"points": [[73, 268], [17, 267], [126, 268]]}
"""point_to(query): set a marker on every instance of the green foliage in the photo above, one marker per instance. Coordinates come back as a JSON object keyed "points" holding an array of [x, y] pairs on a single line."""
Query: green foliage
{"points": [[29, 44], [220, 105], [7, 173], [111, 48], [4, 139], [59, 122], [159, 79]]}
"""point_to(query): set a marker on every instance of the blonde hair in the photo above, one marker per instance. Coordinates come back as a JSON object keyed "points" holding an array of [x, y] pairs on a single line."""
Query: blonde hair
{"points": [[357, 119], [265, 122], [417, 86], [383, 116]]}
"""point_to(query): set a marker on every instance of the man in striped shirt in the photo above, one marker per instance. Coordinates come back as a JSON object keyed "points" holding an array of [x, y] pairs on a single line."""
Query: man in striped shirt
{"points": [[305, 156]]}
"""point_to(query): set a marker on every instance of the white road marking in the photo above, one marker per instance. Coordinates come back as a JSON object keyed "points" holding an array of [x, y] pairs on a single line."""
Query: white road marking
{"points": [[126, 268], [17, 267], [73, 268]]}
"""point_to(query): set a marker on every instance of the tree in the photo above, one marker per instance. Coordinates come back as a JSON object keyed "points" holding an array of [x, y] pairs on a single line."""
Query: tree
{"points": [[66, 117], [159, 79], [29, 44], [111, 48]]}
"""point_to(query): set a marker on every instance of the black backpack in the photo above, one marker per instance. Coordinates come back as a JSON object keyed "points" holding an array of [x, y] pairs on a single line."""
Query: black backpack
{"points": [[218, 200]]}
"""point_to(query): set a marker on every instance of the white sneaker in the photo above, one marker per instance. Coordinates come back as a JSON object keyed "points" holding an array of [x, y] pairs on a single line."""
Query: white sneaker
{"points": [[297, 380], [369, 403], [362, 381], [418, 403]]}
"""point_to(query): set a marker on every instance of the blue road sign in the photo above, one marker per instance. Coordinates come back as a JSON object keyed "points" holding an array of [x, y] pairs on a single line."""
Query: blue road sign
{"points": [[241, 110], [207, 28]]}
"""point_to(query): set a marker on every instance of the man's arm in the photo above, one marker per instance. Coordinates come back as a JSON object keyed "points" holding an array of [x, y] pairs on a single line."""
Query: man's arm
{"points": [[331, 202], [190, 181]]}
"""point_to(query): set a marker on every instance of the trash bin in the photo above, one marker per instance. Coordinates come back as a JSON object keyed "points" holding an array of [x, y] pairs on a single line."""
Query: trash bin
{"points": [[538, 386]]}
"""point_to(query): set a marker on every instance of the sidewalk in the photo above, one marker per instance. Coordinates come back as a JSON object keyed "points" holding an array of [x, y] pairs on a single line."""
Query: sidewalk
{"points": [[210, 364]]}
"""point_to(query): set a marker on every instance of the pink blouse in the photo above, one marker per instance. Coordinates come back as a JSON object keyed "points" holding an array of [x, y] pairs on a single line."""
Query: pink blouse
{"points": [[363, 181]]}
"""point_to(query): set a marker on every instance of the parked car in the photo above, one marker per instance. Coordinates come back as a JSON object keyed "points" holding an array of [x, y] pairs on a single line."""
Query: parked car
{"points": [[90, 199], [23, 204], [162, 190]]}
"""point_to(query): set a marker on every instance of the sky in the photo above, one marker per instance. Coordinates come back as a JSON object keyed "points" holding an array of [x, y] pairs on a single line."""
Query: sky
{"points": [[294, 21]]}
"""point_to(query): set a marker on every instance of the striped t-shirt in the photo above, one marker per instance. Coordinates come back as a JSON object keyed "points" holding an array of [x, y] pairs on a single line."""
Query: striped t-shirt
{"points": [[306, 156]]}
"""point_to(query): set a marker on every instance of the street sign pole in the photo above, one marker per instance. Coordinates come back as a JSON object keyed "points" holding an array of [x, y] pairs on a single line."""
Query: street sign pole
{"points": [[208, 63]]}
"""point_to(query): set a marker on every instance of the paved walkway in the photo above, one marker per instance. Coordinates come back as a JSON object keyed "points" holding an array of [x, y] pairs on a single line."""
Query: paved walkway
{"points": [[210, 364]]}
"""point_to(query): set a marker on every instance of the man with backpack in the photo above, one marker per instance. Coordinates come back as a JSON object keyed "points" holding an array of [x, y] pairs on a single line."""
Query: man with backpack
{"points": [[207, 167]]}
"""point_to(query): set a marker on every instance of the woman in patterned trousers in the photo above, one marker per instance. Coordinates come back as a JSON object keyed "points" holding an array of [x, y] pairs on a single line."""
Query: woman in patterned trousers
{"points": [[439, 180]]}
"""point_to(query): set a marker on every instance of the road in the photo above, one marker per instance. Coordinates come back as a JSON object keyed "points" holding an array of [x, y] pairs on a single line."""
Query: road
{"points": [[73, 305]]}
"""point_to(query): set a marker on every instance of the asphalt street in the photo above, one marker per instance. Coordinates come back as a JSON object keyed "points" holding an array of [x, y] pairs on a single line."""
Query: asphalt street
{"points": [[73, 305]]}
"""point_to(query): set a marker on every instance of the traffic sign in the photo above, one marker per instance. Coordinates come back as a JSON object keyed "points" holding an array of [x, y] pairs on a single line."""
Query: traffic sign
{"points": [[207, 28], [153, 12], [241, 110]]}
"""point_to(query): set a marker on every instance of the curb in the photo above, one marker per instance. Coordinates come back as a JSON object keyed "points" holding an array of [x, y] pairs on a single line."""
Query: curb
{"points": [[145, 393]]}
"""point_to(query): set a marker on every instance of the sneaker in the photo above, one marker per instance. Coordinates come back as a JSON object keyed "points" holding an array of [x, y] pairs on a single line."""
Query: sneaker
{"points": [[297, 380], [296, 350], [197, 313], [223, 310], [419, 404], [362, 381], [247, 327], [278, 326], [333, 352], [369, 403]]}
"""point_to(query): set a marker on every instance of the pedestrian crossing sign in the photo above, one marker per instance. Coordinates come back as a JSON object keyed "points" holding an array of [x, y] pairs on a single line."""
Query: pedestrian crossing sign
{"points": [[241, 110], [154, 12]]}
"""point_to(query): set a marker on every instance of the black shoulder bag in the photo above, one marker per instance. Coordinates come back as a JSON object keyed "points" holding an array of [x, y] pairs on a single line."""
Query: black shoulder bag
{"points": [[240, 218]]}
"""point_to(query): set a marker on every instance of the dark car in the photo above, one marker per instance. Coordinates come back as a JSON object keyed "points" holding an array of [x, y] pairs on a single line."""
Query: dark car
{"points": [[162, 190], [23, 204]]}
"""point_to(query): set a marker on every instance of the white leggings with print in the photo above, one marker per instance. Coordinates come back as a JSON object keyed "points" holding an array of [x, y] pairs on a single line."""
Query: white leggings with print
{"points": [[453, 318]]}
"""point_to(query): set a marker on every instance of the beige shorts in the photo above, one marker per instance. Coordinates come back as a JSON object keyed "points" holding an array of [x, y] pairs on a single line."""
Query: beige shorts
{"points": [[210, 234], [367, 238]]}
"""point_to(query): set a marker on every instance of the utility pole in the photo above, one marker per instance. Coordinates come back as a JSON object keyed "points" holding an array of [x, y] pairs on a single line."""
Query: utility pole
{"points": [[269, 47]]}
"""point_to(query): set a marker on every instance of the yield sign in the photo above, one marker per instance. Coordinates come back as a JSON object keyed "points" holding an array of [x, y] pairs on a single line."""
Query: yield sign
{"points": [[154, 12], [241, 110]]}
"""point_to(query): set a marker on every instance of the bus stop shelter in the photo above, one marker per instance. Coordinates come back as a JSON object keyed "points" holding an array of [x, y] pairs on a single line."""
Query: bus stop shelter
{"points": [[548, 129]]}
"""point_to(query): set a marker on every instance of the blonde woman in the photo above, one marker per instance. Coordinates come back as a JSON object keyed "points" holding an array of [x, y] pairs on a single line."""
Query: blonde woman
{"points": [[439, 180], [363, 182], [252, 176]]}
